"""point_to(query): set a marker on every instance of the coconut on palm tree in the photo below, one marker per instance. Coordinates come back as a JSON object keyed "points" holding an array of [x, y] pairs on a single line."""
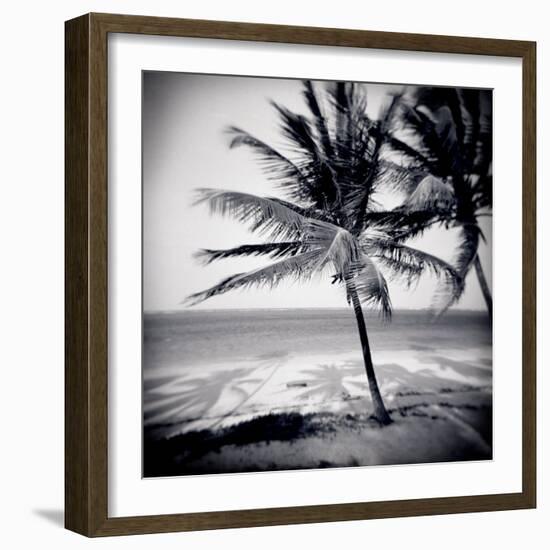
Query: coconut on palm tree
{"points": [[446, 137], [336, 172]]}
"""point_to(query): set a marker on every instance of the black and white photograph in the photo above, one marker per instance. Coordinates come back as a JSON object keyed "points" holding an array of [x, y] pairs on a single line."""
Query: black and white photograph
{"points": [[316, 274]]}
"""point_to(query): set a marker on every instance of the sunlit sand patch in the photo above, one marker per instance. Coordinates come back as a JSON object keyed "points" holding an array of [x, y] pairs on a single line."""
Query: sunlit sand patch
{"points": [[226, 393]]}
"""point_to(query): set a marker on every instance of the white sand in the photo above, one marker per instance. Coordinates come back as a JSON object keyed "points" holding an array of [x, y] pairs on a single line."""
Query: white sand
{"points": [[224, 394]]}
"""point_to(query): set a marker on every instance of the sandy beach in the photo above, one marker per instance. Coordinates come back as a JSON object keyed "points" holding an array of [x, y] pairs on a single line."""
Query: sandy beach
{"points": [[220, 394]]}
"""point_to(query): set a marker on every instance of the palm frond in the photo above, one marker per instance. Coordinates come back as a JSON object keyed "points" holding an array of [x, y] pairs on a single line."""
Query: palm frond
{"points": [[430, 194], [318, 117], [467, 248], [275, 165], [431, 202], [318, 184], [467, 251], [482, 191], [397, 177], [407, 262], [275, 219], [300, 267], [388, 112], [312, 211], [340, 248], [351, 124], [446, 125], [446, 128], [273, 250], [411, 153], [296, 128], [371, 286], [360, 200], [402, 226], [339, 94], [476, 115], [264, 215], [265, 152]]}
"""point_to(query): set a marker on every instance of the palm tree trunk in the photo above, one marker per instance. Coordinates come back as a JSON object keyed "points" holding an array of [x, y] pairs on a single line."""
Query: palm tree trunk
{"points": [[484, 286], [379, 408]]}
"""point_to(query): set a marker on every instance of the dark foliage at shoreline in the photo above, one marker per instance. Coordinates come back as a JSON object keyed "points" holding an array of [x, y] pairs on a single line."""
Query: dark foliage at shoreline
{"points": [[182, 454]]}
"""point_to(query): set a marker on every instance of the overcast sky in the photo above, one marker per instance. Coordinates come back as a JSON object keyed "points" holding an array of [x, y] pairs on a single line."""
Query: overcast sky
{"points": [[184, 147]]}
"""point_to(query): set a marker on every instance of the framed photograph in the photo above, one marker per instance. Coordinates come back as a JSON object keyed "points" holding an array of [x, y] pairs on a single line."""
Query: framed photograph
{"points": [[300, 275]]}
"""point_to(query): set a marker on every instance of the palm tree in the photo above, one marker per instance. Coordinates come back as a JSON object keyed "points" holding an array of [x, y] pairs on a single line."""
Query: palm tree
{"points": [[446, 137], [334, 174]]}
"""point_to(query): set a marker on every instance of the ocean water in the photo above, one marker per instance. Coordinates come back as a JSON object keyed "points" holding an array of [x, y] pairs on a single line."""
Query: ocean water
{"points": [[189, 338], [206, 369]]}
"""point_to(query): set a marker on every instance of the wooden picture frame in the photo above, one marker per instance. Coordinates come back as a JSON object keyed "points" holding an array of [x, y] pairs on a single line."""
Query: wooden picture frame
{"points": [[86, 360]]}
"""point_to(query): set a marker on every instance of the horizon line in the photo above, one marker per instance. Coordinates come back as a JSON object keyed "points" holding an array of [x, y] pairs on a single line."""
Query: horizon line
{"points": [[190, 309]]}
